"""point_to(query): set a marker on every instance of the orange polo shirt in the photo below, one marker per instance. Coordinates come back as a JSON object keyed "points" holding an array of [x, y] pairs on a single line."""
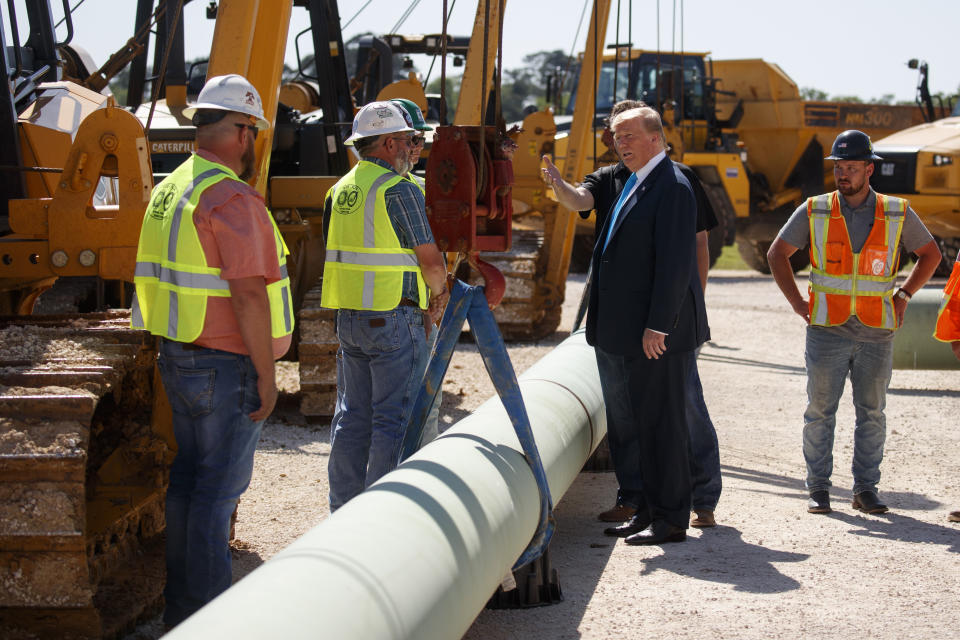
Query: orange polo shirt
{"points": [[237, 237]]}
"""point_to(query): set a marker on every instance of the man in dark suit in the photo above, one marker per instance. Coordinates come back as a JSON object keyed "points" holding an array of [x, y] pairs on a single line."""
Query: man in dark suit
{"points": [[646, 314], [600, 191]]}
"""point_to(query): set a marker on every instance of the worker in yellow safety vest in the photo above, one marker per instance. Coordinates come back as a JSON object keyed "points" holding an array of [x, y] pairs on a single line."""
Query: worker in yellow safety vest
{"points": [[948, 326], [211, 281], [855, 237], [386, 278]]}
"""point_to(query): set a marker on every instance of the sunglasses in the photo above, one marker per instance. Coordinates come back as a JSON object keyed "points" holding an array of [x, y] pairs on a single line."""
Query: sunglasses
{"points": [[252, 128], [413, 141]]}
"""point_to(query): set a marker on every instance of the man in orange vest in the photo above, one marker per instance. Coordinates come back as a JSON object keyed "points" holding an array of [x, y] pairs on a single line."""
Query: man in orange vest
{"points": [[856, 237], [948, 326]]}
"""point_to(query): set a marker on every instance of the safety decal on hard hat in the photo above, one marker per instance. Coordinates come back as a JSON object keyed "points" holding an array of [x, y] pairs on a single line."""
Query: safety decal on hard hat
{"points": [[348, 200], [250, 99]]}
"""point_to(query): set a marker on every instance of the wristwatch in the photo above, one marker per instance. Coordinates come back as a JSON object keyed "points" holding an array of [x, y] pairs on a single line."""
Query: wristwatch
{"points": [[902, 294]]}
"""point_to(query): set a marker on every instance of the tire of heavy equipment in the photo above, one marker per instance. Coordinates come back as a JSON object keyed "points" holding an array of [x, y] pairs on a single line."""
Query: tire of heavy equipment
{"points": [[948, 255], [754, 253]]}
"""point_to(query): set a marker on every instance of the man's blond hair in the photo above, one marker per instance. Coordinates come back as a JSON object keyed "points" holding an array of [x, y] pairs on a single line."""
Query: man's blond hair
{"points": [[649, 121]]}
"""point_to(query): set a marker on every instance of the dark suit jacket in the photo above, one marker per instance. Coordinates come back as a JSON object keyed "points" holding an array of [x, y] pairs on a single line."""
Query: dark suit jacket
{"points": [[606, 183], [647, 277]]}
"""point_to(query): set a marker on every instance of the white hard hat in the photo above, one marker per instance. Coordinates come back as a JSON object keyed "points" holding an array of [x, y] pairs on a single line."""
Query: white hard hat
{"points": [[378, 118], [230, 93]]}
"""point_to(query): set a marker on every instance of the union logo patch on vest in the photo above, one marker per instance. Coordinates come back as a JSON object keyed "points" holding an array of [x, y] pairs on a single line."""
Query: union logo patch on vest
{"points": [[348, 200], [162, 200]]}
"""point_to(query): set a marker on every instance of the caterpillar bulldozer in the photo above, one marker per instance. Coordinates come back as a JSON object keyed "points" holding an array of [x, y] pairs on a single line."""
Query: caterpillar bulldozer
{"points": [[85, 435], [922, 164], [742, 125]]}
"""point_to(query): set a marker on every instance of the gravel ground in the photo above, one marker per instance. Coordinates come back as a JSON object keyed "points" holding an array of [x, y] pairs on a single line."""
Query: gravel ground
{"points": [[769, 570]]}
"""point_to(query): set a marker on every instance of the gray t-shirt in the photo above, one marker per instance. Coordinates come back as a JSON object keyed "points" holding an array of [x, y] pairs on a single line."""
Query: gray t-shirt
{"points": [[859, 223]]}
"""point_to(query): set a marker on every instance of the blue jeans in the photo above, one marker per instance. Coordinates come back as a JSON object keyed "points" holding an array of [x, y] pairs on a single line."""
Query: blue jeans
{"points": [[704, 450], [380, 366], [829, 358], [211, 393]]}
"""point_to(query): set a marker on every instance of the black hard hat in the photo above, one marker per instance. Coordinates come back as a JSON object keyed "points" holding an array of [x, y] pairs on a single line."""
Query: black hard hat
{"points": [[852, 145]]}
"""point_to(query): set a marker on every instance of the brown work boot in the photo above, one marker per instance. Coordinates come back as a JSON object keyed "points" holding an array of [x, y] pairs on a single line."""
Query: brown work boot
{"points": [[620, 513], [954, 516], [704, 519]]}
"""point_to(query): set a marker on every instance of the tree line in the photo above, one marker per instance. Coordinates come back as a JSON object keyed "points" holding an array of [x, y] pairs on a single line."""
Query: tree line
{"points": [[544, 75]]}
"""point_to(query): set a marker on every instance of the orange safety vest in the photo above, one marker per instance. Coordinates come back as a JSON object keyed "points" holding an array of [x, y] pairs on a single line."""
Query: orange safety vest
{"points": [[948, 319], [844, 283]]}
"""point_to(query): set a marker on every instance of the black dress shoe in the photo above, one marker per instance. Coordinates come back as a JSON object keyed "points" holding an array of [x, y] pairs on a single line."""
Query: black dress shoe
{"points": [[660, 532], [868, 502], [636, 524], [819, 502]]}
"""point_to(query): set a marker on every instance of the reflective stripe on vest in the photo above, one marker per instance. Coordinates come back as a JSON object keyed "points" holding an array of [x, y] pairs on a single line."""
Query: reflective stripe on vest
{"points": [[417, 180], [843, 283], [172, 278], [948, 317], [365, 263]]}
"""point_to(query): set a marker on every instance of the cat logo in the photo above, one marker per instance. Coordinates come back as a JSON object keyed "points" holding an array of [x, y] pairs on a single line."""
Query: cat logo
{"points": [[349, 199], [162, 200]]}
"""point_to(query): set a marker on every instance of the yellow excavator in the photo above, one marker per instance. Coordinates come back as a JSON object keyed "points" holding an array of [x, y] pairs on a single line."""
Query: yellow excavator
{"points": [[84, 427], [84, 433], [537, 262]]}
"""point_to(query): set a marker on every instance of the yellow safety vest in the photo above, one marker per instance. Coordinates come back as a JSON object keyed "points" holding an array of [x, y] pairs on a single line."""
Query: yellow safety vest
{"points": [[844, 283], [364, 262], [172, 278], [419, 182]]}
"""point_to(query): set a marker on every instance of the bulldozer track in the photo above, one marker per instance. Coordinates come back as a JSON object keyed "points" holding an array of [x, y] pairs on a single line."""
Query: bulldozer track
{"points": [[82, 476], [318, 356], [523, 313]]}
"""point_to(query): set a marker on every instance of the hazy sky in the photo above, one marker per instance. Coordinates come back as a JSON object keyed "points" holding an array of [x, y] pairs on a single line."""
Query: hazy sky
{"points": [[852, 47]]}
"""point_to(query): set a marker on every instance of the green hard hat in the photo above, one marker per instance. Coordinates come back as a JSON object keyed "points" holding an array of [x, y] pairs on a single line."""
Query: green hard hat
{"points": [[416, 116]]}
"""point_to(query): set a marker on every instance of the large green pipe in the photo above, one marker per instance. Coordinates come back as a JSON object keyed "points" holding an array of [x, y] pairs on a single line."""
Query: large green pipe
{"points": [[913, 345], [421, 551]]}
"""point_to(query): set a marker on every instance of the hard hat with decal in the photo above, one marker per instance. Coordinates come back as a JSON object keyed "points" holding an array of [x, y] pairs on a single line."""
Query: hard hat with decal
{"points": [[413, 110], [231, 92], [378, 118], [852, 145]]}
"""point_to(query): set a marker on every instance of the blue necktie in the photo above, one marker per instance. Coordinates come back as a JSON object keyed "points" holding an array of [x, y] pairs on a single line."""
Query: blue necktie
{"points": [[616, 210]]}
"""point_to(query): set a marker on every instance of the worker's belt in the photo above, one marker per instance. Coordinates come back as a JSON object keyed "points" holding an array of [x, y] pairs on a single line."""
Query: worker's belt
{"points": [[407, 302], [186, 346]]}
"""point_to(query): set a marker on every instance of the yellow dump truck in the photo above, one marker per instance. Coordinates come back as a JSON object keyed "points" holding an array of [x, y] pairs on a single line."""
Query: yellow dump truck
{"points": [[743, 127], [922, 163]]}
